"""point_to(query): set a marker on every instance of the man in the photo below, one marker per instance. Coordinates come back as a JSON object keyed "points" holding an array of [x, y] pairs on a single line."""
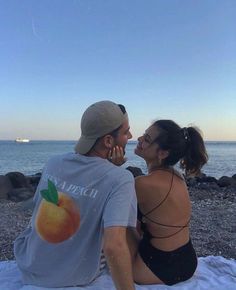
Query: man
{"points": [[105, 197]]}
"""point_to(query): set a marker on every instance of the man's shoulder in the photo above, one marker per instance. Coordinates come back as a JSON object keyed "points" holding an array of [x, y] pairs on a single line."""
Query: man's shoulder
{"points": [[61, 157], [119, 169], [120, 174]]}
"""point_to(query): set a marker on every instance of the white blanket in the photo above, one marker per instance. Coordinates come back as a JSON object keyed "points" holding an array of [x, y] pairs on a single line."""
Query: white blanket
{"points": [[213, 272]]}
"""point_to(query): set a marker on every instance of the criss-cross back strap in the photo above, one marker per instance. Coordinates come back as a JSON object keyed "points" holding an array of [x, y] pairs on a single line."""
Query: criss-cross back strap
{"points": [[172, 178]]}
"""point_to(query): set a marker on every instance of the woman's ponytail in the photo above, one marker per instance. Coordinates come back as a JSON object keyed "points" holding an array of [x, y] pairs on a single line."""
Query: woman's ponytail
{"points": [[195, 154]]}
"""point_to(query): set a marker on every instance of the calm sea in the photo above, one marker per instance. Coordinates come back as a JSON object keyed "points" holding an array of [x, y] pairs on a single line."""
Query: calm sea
{"points": [[29, 158]]}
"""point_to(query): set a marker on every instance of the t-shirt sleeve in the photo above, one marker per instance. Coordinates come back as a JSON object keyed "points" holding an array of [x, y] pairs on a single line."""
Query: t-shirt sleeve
{"points": [[121, 206]]}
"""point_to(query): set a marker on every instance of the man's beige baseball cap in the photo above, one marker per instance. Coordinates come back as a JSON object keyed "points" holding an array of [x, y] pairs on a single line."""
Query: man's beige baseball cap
{"points": [[98, 120]]}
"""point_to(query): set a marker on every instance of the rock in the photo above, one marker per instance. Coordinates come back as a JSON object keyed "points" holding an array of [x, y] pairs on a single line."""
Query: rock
{"points": [[18, 179], [226, 181], [38, 174], [234, 176], [5, 186], [207, 179], [20, 194], [191, 181], [136, 171], [208, 185], [34, 180]]}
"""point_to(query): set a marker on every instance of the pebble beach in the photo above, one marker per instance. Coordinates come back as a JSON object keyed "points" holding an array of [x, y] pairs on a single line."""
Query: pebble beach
{"points": [[213, 226]]}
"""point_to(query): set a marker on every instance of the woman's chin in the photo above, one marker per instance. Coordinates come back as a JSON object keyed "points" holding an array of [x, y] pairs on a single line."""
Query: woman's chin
{"points": [[137, 151]]}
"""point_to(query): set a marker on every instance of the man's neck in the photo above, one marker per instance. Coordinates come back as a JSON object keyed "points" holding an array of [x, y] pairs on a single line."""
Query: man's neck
{"points": [[96, 153]]}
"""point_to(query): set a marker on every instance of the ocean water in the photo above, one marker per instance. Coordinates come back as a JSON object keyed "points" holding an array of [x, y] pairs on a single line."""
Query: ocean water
{"points": [[30, 158]]}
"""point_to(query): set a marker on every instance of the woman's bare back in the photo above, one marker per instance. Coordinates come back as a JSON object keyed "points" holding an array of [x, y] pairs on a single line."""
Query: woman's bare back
{"points": [[164, 201]]}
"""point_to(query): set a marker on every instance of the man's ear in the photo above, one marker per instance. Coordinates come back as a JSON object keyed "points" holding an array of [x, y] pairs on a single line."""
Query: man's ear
{"points": [[108, 141]]}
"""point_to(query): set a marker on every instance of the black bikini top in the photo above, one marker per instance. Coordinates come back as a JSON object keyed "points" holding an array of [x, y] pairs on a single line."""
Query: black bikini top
{"points": [[143, 217]]}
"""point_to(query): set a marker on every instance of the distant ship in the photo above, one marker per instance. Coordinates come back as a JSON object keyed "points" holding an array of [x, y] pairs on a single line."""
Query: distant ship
{"points": [[22, 140]]}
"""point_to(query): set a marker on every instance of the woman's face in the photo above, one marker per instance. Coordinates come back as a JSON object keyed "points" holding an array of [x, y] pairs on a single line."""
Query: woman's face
{"points": [[146, 147]]}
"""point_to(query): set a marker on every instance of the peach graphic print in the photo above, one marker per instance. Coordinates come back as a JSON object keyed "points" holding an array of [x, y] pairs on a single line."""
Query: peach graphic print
{"points": [[58, 216]]}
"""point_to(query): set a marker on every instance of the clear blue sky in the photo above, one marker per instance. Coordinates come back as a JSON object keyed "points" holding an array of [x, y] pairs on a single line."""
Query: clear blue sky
{"points": [[171, 59]]}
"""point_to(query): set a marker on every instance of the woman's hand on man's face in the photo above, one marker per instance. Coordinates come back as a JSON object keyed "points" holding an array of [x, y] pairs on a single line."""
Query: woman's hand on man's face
{"points": [[116, 155]]}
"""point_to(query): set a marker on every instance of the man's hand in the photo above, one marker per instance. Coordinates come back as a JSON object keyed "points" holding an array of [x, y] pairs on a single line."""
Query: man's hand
{"points": [[116, 155]]}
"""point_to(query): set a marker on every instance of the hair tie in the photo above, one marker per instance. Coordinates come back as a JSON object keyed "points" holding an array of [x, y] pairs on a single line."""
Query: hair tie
{"points": [[186, 134]]}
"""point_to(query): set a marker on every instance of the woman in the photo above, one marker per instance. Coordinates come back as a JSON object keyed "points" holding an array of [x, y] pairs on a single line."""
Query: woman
{"points": [[164, 254]]}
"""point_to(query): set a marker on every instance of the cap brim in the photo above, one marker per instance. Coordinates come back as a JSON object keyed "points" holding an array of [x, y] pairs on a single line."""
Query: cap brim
{"points": [[84, 144]]}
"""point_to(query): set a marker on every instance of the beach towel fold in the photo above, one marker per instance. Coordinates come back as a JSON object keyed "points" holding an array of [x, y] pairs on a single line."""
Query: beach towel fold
{"points": [[213, 272]]}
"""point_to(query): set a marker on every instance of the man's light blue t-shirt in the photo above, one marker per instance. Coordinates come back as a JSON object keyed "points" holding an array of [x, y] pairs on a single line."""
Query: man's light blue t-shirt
{"points": [[105, 195]]}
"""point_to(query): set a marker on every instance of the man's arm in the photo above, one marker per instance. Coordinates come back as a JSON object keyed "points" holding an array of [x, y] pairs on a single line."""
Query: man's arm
{"points": [[118, 257]]}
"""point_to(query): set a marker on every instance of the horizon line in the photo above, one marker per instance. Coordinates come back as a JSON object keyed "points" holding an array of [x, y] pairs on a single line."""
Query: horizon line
{"points": [[71, 140]]}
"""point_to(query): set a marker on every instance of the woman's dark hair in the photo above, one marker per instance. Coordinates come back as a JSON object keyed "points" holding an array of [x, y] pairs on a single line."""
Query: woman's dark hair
{"points": [[185, 145]]}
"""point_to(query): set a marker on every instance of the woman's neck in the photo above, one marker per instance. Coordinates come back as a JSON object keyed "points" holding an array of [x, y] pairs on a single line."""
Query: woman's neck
{"points": [[154, 166], [151, 166]]}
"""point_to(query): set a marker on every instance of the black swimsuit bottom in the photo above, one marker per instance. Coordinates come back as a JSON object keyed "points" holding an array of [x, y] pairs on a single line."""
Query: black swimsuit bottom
{"points": [[170, 267]]}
